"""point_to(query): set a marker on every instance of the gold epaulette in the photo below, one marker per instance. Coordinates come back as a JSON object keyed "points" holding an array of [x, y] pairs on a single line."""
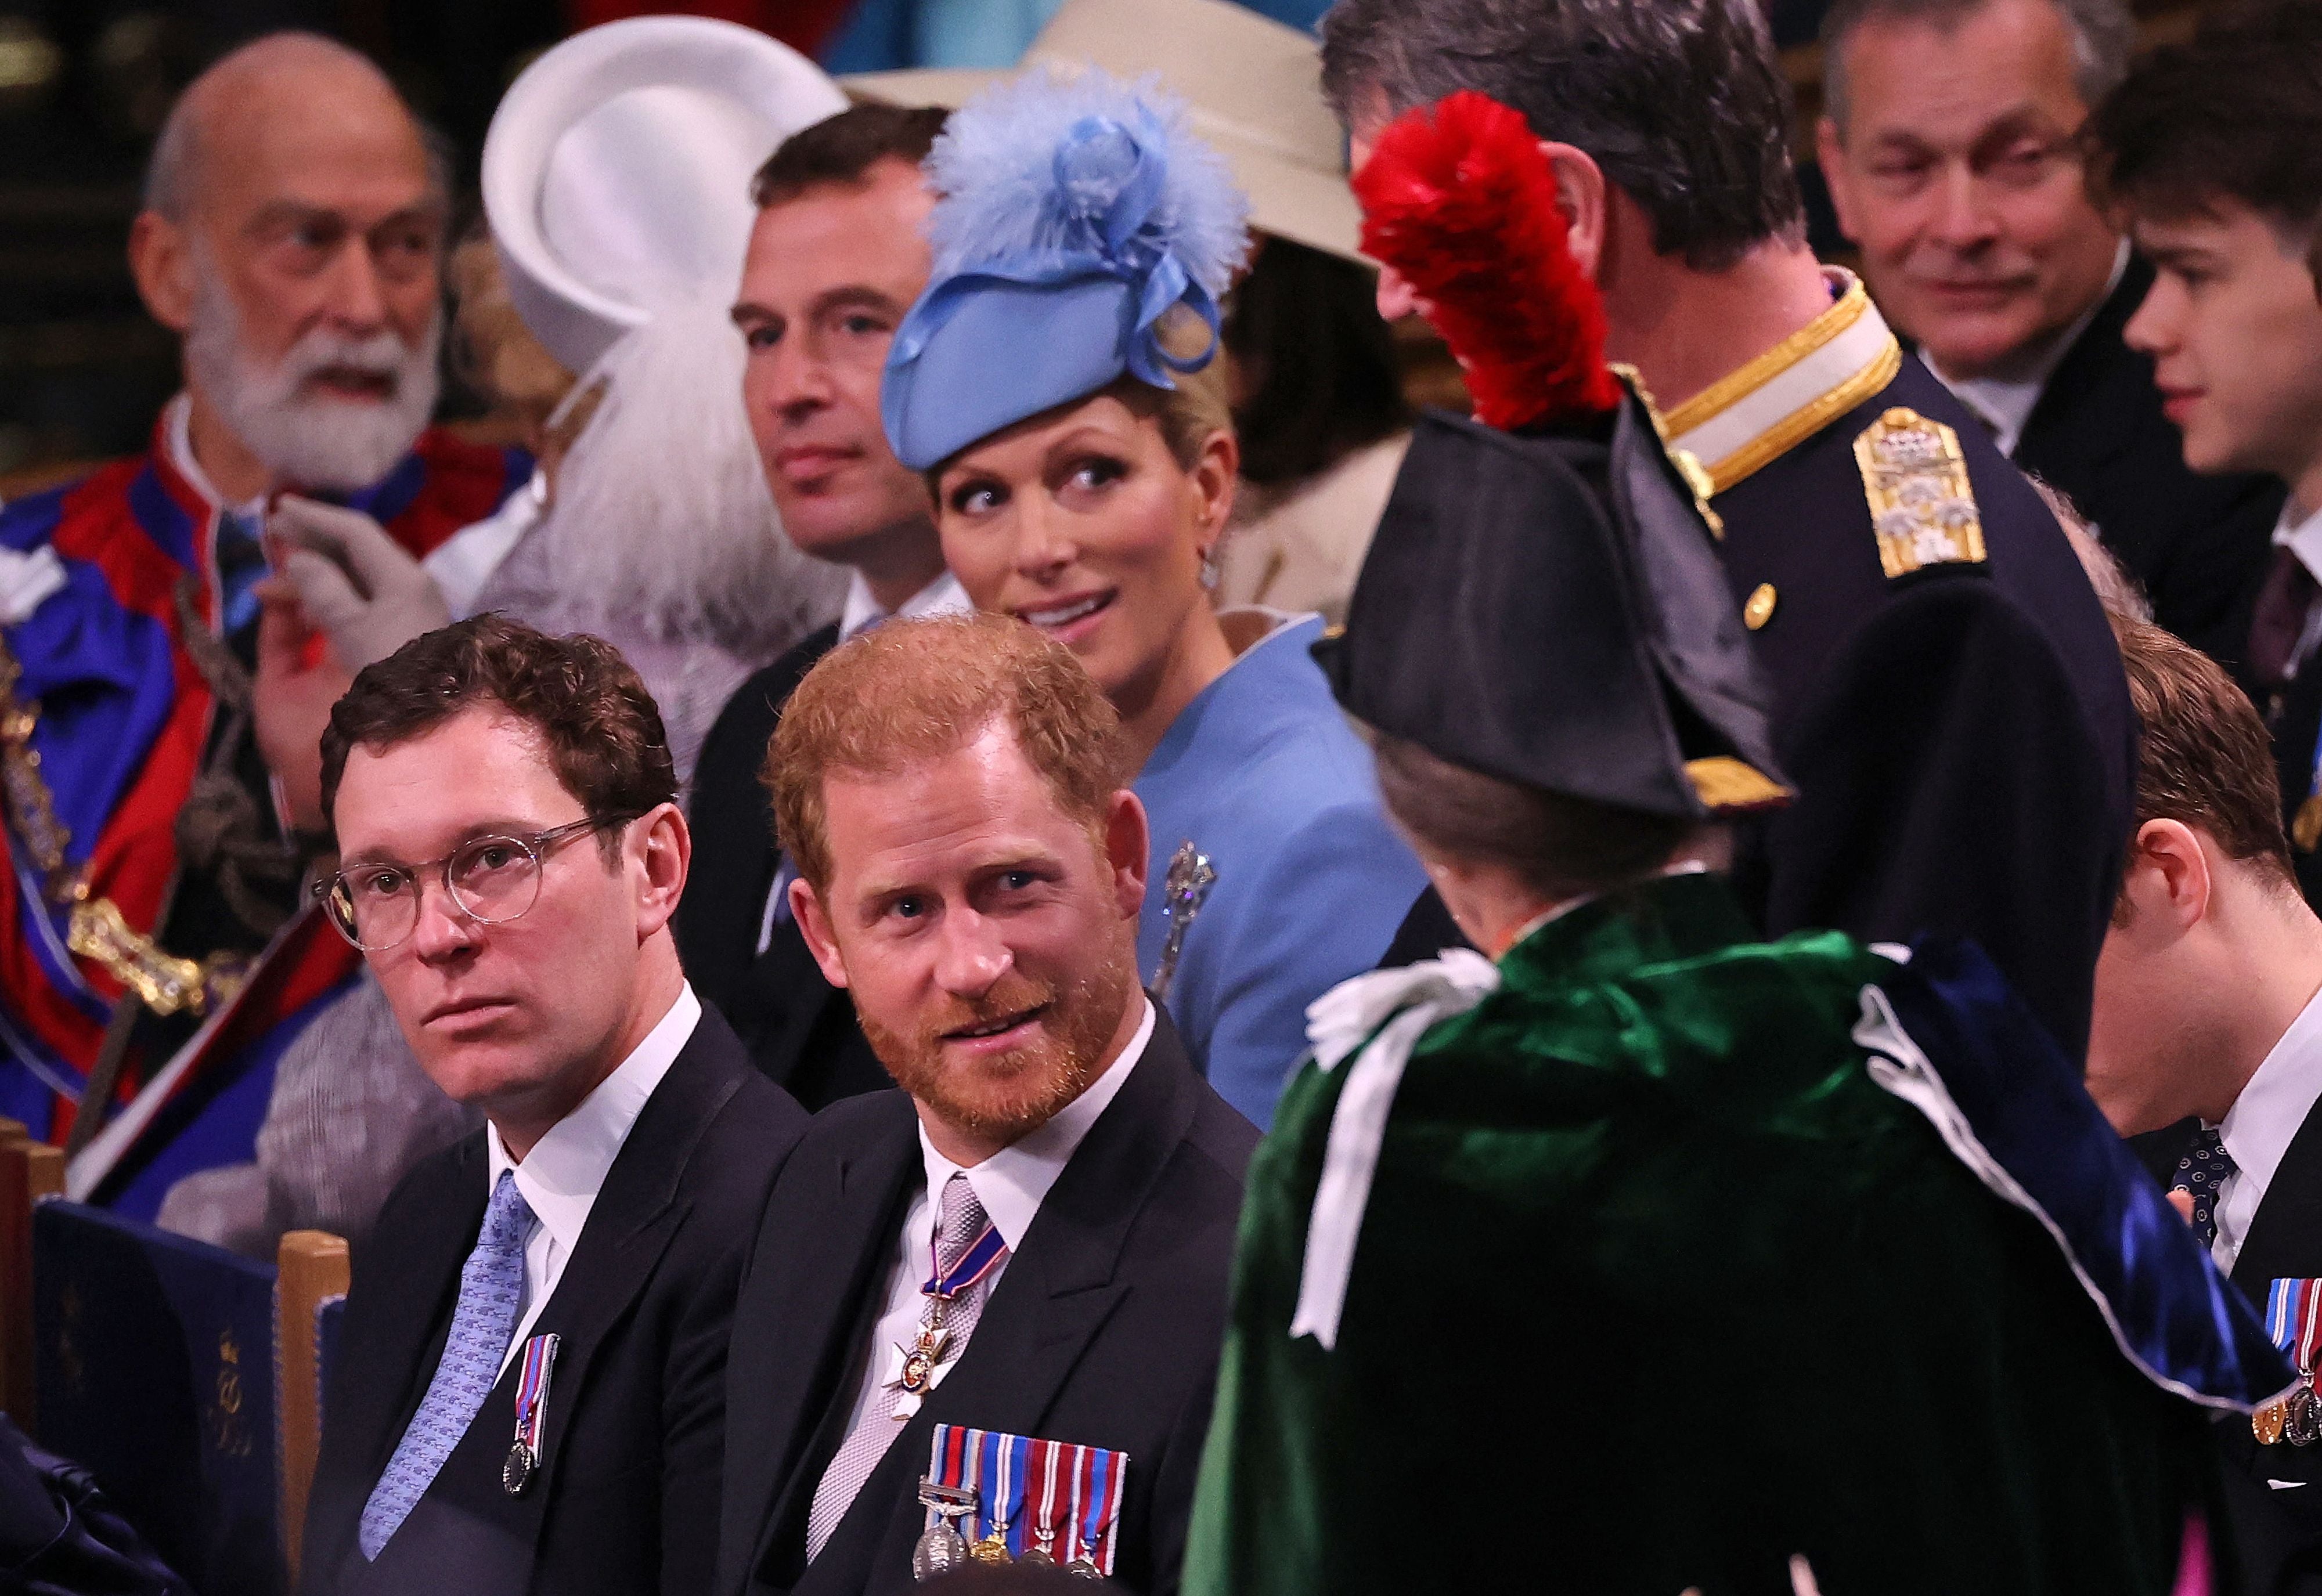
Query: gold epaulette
{"points": [[1922, 505]]}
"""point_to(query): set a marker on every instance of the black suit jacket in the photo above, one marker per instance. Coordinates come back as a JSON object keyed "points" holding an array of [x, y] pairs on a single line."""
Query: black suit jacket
{"points": [[625, 1500], [2277, 1529], [2197, 545], [799, 1028], [1105, 1330], [1906, 713]]}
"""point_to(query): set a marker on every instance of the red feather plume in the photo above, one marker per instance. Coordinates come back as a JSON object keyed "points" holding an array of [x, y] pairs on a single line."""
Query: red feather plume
{"points": [[1461, 200]]}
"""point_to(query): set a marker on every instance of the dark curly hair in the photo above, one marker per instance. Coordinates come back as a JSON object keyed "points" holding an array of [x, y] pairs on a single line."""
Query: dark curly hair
{"points": [[601, 729]]}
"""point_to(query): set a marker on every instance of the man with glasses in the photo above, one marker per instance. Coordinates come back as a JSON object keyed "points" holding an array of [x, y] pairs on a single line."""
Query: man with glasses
{"points": [[529, 1390], [1948, 135]]}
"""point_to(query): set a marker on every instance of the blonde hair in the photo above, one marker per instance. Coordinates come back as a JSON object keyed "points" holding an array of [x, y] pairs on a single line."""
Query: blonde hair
{"points": [[918, 689]]}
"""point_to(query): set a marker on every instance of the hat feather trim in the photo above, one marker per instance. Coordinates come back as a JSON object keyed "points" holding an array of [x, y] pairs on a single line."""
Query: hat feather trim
{"points": [[1461, 200], [1043, 168]]}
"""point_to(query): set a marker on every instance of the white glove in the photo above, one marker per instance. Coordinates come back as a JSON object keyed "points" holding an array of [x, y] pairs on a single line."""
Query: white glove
{"points": [[355, 583]]}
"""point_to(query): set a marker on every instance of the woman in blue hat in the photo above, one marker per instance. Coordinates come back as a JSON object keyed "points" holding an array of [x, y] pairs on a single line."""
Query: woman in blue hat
{"points": [[1058, 385]]}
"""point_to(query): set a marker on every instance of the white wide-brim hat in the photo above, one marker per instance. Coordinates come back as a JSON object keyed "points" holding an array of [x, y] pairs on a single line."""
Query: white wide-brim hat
{"points": [[1253, 87], [617, 171]]}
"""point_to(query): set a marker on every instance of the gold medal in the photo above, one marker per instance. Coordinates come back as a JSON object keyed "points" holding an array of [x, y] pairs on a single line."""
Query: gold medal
{"points": [[2267, 1423], [992, 1549]]}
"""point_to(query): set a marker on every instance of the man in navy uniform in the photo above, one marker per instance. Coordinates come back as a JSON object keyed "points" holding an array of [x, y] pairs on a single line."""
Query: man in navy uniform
{"points": [[1949, 700]]}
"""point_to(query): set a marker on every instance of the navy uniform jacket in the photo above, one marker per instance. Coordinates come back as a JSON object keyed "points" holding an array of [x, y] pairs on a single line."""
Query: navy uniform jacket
{"points": [[1960, 734], [2197, 544]]}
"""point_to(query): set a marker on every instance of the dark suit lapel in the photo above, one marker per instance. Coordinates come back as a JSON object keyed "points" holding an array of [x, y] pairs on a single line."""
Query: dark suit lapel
{"points": [[425, 1268], [1057, 1293], [2086, 374], [874, 1183], [2285, 1237], [410, 1279], [637, 1211]]}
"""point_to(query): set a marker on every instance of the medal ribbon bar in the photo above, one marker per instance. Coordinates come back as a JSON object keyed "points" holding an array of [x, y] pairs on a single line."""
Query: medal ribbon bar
{"points": [[1053, 1498]]}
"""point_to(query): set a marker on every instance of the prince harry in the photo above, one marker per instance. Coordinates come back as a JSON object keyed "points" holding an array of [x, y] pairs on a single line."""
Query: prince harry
{"points": [[986, 1293]]}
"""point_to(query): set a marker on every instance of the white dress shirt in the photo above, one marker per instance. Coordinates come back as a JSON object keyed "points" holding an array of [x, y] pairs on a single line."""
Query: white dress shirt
{"points": [[560, 1176], [942, 596], [1010, 1184], [861, 612], [178, 434], [2299, 531], [2258, 1128], [2005, 402]]}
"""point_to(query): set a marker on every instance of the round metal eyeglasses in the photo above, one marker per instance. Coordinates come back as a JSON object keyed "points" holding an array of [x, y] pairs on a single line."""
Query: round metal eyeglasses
{"points": [[492, 879]]}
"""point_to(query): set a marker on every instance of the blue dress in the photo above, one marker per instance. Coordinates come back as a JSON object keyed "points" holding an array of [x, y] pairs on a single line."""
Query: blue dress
{"points": [[1262, 774]]}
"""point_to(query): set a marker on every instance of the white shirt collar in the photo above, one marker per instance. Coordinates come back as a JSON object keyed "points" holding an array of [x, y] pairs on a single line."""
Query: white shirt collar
{"points": [[177, 433], [1012, 1182], [942, 596], [2257, 1129], [566, 1168], [2007, 402], [2301, 534]]}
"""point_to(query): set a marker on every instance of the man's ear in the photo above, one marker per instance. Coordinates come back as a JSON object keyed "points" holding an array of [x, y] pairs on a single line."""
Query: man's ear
{"points": [[1128, 850], [662, 845], [814, 925], [2169, 876], [1580, 190], [161, 260], [1831, 153]]}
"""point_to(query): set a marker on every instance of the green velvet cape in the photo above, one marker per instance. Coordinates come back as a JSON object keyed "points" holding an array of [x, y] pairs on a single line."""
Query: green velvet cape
{"points": [[1657, 1288]]}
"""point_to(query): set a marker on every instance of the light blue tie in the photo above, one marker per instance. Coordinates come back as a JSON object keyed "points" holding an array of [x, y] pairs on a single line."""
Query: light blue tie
{"points": [[241, 562], [491, 1284]]}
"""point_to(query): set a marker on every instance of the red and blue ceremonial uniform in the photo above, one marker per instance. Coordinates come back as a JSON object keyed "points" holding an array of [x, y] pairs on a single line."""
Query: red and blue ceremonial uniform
{"points": [[104, 731]]}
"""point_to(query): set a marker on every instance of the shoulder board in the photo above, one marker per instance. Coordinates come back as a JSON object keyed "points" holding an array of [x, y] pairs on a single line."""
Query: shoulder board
{"points": [[1922, 506]]}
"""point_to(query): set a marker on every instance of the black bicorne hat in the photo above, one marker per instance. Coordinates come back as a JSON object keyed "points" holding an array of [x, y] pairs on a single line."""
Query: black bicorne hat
{"points": [[1549, 609]]}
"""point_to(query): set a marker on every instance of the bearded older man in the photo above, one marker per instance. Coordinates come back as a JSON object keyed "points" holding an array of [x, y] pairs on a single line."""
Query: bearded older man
{"points": [[292, 234]]}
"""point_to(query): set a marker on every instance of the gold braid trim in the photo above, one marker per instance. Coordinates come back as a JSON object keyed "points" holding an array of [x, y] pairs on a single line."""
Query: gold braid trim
{"points": [[97, 929]]}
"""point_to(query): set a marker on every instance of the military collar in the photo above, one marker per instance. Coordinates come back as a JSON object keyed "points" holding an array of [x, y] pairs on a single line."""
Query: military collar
{"points": [[1754, 414], [1649, 922]]}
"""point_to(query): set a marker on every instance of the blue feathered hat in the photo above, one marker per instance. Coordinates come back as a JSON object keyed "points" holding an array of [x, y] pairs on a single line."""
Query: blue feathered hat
{"points": [[1072, 216]]}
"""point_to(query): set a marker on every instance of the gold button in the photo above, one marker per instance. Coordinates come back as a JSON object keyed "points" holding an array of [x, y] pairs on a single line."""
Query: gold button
{"points": [[1760, 607]]}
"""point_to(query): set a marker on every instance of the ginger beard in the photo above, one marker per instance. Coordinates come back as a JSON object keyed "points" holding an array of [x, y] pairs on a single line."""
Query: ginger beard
{"points": [[1008, 1096]]}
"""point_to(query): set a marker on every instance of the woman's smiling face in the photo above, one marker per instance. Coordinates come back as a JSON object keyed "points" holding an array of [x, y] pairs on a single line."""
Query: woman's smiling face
{"points": [[1083, 521]]}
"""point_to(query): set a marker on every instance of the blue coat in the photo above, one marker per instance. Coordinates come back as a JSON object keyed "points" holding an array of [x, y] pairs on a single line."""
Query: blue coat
{"points": [[1262, 773]]}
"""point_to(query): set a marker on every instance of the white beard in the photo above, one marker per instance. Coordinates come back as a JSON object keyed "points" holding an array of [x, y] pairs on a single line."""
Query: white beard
{"points": [[662, 516], [309, 440]]}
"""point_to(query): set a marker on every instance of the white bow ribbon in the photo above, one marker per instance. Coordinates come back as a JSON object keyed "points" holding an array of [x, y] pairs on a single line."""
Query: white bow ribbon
{"points": [[26, 580], [1399, 1005]]}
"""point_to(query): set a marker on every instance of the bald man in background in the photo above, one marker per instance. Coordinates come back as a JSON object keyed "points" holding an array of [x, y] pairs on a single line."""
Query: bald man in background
{"points": [[292, 236]]}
